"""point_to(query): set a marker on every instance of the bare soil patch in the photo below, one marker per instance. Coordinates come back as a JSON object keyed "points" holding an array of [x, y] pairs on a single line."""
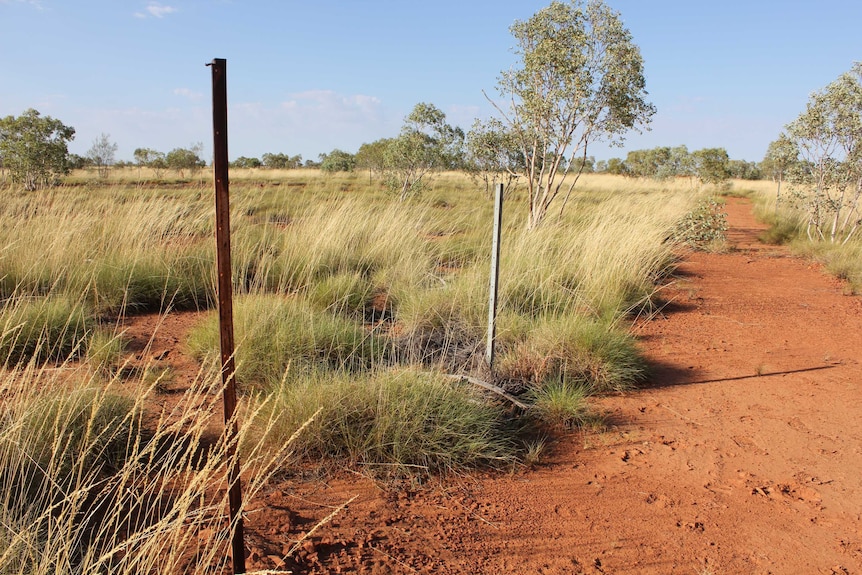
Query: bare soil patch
{"points": [[742, 455]]}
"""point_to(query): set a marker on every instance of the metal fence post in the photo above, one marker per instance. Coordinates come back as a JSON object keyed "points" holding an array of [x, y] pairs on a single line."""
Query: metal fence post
{"points": [[225, 306], [495, 275]]}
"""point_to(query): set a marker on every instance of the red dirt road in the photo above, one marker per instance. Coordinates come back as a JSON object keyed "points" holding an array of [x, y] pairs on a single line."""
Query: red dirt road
{"points": [[744, 455]]}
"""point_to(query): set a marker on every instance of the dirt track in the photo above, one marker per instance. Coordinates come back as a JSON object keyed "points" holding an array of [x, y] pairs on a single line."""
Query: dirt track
{"points": [[744, 455]]}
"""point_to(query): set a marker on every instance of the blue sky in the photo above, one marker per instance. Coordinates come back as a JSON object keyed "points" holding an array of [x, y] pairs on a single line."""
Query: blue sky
{"points": [[307, 77]]}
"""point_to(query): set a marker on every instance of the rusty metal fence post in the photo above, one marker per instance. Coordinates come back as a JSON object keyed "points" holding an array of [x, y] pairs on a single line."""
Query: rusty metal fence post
{"points": [[225, 306]]}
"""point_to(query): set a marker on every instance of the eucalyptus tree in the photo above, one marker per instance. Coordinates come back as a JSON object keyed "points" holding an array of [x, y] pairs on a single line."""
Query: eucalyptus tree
{"points": [[425, 144], [182, 159], [680, 163], [648, 163], [782, 155], [102, 153], [281, 161], [337, 161], [492, 155], [580, 79], [34, 149], [712, 165], [246, 162], [152, 159], [828, 135], [371, 156]]}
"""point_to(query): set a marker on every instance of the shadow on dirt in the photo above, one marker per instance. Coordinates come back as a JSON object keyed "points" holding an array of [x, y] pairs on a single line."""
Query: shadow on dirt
{"points": [[669, 375]]}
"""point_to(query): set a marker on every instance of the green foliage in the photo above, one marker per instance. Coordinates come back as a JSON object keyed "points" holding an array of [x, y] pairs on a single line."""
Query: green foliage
{"points": [[348, 293], [580, 79], [337, 161], [281, 161], [743, 170], [712, 165], [493, 155], [244, 162], [442, 326], [34, 149], [87, 429], [42, 329], [575, 351], [274, 333], [105, 352], [560, 404], [396, 422], [828, 136], [155, 160], [704, 227], [646, 163], [616, 166], [185, 159], [372, 156], [426, 144], [659, 163]]}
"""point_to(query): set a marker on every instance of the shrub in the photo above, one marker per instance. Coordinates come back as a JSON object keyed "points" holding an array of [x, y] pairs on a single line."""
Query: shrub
{"points": [[704, 227]]}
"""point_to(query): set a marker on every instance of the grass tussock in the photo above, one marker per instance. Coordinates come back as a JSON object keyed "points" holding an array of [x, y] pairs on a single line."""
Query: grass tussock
{"points": [[273, 333], [393, 422], [579, 353], [87, 489], [43, 329]]}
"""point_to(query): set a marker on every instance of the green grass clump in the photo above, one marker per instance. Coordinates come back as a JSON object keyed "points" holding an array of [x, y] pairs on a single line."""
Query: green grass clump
{"points": [[52, 328], [350, 294], [105, 352], [275, 332], [395, 422], [444, 325], [561, 404], [784, 225], [576, 351], [153, 282]]}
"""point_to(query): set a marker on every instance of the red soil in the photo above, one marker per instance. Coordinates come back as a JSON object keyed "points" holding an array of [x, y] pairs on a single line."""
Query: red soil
{"points": [[742, 455]]}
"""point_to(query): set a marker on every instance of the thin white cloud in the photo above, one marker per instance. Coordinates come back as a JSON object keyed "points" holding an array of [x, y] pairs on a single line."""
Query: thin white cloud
{"points": [[332, 105], [37, 4], [190, 94], [311, 122], [156, 10]]}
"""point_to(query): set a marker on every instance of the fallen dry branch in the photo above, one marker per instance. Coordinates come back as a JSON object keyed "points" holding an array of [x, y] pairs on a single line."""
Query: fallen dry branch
{"points": [[490, 387]]}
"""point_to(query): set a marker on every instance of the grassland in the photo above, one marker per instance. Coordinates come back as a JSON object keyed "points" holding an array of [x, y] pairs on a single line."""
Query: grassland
{"points": [[352, 311]]}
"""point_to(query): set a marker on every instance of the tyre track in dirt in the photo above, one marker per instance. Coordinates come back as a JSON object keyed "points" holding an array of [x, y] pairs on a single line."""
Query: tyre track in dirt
{"points": [[742, 455]]}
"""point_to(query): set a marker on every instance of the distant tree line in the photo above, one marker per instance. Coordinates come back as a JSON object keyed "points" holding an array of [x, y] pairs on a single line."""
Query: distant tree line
{"points": [[489, 152], [709, 165]]}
